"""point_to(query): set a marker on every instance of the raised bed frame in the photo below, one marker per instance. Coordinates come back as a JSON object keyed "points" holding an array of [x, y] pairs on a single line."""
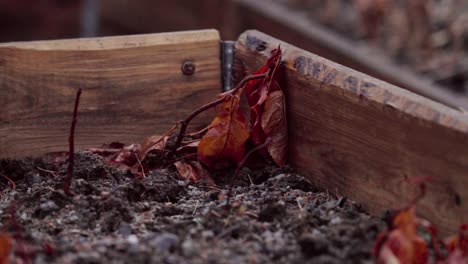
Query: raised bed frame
{"points": [[232, 17], [350, 133]]}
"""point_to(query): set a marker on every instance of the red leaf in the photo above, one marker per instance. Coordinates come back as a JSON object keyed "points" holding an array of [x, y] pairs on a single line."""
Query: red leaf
{"points": [[108, 150], [456, 257], [120, 156], [225, 140], [402, 244], [5, 248], [275, 127], [192, 171], [127, 155], [457, 246], [267, 104], [152, 143]]}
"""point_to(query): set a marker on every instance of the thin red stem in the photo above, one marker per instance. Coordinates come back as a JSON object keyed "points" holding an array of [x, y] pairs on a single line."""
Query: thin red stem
{"points": [[53, 173], [141, 166], [186, 121], [197, 133], [13, 184], [71, 142]]}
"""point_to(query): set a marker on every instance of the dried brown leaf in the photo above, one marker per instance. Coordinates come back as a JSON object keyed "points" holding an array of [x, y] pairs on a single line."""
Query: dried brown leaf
{"points": [[402, 243], [5, 247], [192, 171], [152, 143], [275, 126], [225, 140]]}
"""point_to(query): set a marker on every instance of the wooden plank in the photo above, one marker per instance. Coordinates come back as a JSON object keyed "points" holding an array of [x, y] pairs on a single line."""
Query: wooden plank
{"points": [[360, 137], [295, 27], [232, 17], [133, 88]]}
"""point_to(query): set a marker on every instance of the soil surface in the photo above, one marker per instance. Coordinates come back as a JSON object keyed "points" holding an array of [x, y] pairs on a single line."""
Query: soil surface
{"points": [[430, 37], [276, 216]]}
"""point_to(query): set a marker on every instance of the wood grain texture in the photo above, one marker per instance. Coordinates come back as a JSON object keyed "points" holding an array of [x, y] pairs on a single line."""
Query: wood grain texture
{"points": [[360, 137], [232, 17], [133, 87], [288, 25]]}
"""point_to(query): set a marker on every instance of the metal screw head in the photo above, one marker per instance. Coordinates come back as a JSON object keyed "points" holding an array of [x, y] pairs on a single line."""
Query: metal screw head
{"points": [[188, 68]]}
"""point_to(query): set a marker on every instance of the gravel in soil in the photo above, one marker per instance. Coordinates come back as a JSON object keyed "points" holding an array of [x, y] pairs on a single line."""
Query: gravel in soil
{"points": [[276, 216]]}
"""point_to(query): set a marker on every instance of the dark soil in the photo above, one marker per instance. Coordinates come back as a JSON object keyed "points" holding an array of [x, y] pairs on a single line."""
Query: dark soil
{"points": [[276, 216]]}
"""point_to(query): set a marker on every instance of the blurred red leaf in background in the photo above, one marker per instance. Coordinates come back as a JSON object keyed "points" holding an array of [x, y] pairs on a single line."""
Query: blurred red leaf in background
{"points": [[457, 246], [402, 244]]}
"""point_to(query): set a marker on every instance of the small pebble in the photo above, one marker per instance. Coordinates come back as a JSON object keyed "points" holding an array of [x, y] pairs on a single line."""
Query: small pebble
{"points": [[336, 221], [181, 183], [36, 178], [189, 248], [49, 206], [73, 218], [165, 242], [105, 195], [23, 216], [125, 229], [208, 234], [132, 239]]}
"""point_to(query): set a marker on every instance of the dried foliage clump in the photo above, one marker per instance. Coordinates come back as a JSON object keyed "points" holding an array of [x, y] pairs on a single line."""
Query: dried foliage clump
{"points": [[226, 142], [409, 240]]}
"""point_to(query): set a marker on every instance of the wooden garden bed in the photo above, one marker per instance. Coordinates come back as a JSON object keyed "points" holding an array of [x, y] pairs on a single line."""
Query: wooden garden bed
{"points": [[232, 17], [362, 137], [349, 133], [129, 81]]}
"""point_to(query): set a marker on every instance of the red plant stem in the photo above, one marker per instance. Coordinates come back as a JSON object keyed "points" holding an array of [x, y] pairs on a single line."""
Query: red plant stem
{"points": [[53, 173], [186, 121], [141, 166], [14, 222], [199, 132], [422, 193], [71, 142], [13, 184], [240, 165]]}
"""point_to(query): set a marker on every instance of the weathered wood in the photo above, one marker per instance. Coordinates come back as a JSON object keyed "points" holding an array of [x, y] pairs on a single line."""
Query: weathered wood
{"points": [[232, 17], [133, 87], [360, 137], [286, 24]]}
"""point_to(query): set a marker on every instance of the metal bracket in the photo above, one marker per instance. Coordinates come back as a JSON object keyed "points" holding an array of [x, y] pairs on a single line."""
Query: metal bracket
{"points": [[227, 60]]}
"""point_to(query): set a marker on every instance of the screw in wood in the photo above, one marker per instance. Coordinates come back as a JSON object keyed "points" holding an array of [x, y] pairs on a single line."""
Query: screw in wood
{"points": [[188, 68]]}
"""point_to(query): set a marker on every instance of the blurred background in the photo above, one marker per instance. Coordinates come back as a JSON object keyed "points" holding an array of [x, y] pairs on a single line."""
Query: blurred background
{"points": [[400, 41]]}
